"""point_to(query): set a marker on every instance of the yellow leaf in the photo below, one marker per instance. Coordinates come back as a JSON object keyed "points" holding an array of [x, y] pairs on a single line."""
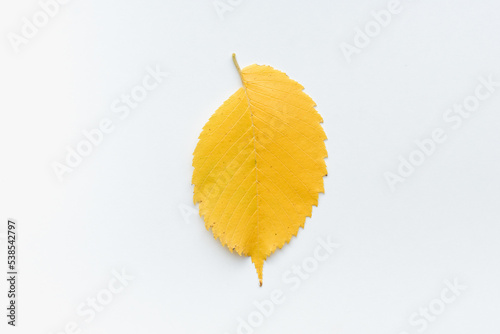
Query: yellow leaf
{"points": [[259, 164]]}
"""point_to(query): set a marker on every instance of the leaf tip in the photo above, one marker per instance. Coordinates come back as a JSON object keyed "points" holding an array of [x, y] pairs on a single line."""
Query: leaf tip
{"points": [[259, 266]]}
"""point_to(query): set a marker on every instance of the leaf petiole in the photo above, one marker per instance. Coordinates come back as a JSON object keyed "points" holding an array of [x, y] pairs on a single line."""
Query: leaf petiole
{"points": [[238, 68]]}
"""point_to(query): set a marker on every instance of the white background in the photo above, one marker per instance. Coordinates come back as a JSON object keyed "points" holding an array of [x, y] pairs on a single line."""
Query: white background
{"points": [[128, 205]]}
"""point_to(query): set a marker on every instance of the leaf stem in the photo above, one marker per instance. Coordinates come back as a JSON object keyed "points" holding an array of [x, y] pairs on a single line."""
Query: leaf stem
{"points": [[238, 68]]}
